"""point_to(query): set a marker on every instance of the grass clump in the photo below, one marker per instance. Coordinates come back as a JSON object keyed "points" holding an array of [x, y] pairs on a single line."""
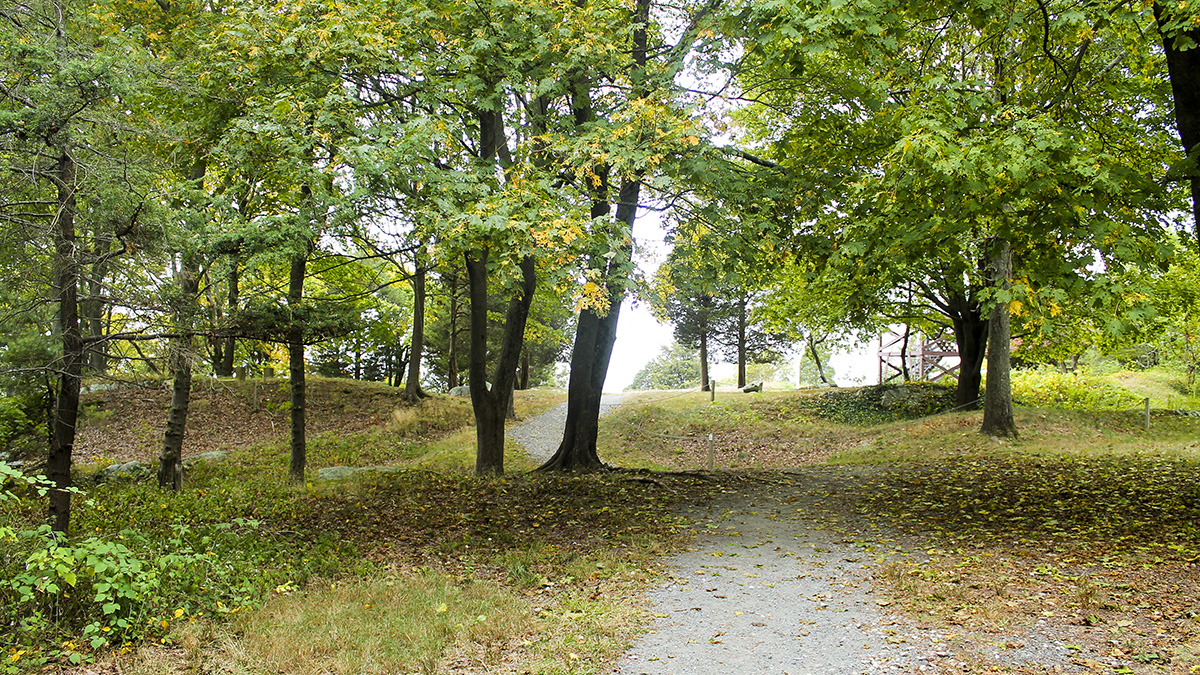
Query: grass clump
{"points": [[401, 623]]}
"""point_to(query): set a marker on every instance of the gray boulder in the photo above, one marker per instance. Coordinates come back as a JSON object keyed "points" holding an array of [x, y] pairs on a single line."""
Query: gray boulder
{"points": [[336, 472], [134, 469], [214, 456]]}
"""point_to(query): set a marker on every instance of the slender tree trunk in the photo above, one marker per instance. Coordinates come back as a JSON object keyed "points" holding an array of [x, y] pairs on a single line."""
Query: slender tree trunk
{"points": [[524, 377], [705, 385], [1183, 70], [490, 407], [998, 417], [229, 344], [187, 311], [66, 282], [904, 354], [412, 388], [299, 447], [357, 359], [741, 338], [970, 334], [452, 350], [170, 460], [94, 311], [812, 348]]}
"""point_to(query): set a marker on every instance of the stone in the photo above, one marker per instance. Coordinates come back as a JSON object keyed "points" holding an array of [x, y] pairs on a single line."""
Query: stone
{"points": [[461, 391], [752, 387], [336, 472], [133, 469], [214, 456]]}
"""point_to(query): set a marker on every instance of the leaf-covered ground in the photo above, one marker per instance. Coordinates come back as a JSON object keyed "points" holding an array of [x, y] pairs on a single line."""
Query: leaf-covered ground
{"points": [[1075, 548]]}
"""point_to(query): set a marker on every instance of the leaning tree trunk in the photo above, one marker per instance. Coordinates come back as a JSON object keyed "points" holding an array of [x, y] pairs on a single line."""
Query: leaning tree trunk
{"points": [[491, 407], [998, 417], [1183, 70], [296, 383], [971, 336], [812, 348], [412, 388], [170, 460], [66, 407]]}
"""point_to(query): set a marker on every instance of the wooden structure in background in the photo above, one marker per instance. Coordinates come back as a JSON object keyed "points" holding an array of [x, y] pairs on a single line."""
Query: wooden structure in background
{"points": [[929, 358]]}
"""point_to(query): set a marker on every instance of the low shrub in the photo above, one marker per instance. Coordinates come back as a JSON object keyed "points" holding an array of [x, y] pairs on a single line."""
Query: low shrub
{"points": [[1047, 388]]}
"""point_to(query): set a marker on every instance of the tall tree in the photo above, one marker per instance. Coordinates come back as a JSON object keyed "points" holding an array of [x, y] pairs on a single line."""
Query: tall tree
{"points": [[57, 79]]}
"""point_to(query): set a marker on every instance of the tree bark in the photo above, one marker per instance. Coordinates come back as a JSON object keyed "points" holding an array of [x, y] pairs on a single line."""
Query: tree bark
{"points": [[229, 345], [412, 387], [741, 338], [299, 447], [971, 336], [66, 406], [170, 460], [595, 334], [998, 417], [93, 310], [452, 350], [491, 407], [187, 311], [705, 385], [812, 348], [1183, 70]]}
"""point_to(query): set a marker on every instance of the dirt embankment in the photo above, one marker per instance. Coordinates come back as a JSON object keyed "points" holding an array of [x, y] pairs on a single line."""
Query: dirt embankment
{"points": [[127, 423]]}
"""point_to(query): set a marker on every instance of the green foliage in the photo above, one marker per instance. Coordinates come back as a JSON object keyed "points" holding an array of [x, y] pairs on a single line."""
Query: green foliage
{"points": [[879, 404], [675, 367], [1046, 387]]}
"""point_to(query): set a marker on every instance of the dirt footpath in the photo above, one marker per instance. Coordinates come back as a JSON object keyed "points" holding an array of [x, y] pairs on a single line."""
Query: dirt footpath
{"points": [[764, 591]]}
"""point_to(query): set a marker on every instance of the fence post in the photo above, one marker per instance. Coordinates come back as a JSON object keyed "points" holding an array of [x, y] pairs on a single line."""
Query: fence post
{"points": [[712, 453], [712, 390], [1147, 414]]}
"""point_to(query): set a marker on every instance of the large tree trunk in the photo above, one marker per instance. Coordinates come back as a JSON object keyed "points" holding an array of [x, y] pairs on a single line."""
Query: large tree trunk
{"points": [[299, 445], [412, 388], [170, 460], [970, 334], [66, 408], [998, 417], [594, 339], [491, 407], [1183, 69]]}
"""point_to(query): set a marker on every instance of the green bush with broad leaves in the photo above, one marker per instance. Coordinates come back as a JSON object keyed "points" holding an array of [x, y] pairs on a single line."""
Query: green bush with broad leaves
{"points": [[1047, 388], [62, 599]]}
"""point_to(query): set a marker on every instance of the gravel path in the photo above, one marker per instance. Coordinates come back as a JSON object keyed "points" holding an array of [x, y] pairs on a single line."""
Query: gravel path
{"points": [[541, 435], [763, 591]]}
